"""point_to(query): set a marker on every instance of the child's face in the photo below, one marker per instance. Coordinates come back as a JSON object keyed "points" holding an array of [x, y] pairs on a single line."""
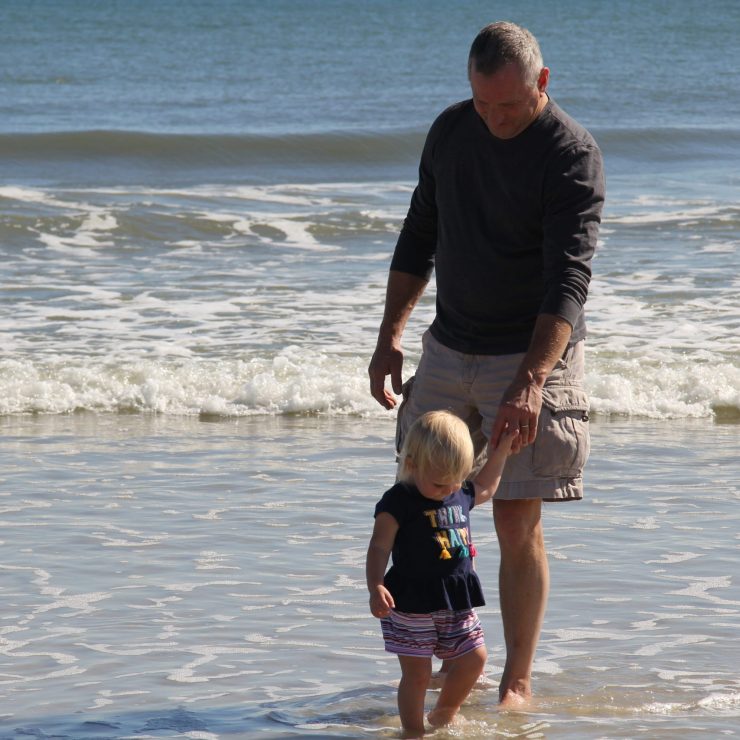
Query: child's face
{"points": [[435, 484]]}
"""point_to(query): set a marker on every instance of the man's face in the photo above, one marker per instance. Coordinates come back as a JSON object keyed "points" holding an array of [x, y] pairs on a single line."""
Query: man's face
{"points": [[505, 102]]}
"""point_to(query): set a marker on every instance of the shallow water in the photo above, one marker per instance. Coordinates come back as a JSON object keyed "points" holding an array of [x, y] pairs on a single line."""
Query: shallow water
{"points": [[174, 577]]}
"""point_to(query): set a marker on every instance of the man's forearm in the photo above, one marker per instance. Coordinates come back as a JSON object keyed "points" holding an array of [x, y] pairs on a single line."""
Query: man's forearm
{"points": [[549, 340], [522, 401], [402, 294]]}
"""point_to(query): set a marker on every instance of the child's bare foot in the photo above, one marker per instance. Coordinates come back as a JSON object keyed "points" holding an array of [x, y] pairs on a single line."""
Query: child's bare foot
{"points": [[437, 680], [444, 718], [484, 682]]}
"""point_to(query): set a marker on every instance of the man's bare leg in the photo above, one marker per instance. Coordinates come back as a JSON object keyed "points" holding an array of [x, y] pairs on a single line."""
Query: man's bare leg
{"points": [[524, 582]]}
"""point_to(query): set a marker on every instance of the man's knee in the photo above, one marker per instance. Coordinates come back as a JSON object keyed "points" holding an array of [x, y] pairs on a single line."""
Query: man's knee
{"points": [[518, 523]]}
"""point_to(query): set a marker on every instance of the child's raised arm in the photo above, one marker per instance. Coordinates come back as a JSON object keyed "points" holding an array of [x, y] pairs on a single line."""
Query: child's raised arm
{"points": [[378, 552], [489, 476]]}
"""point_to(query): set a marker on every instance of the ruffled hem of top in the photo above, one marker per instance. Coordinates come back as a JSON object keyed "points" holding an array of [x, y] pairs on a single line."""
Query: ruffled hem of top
{"points": [[453, 592]]}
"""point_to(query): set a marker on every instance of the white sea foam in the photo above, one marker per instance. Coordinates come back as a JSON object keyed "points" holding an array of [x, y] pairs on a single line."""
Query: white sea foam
{"points": [[700, 588], [302, 380], [266, 300], [721, 702], [76, 603], [208, 654], [680, 213], [676, 557], [658, 647], [665, 708]]}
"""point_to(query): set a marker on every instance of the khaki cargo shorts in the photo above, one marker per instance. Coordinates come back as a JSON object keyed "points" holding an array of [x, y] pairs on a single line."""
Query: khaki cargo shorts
{"points": [[472, 386]]}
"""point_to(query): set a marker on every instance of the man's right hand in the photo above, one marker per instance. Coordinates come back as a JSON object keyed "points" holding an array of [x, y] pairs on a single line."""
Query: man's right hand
{"points": [[386, 360], [401, 295]]}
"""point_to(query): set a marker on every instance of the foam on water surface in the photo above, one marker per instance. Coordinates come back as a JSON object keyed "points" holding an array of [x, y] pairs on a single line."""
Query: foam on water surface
{"points": [[260, 327]]}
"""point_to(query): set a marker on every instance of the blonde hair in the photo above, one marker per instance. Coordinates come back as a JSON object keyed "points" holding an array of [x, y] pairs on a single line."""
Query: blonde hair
{"points": [[437, 441]]}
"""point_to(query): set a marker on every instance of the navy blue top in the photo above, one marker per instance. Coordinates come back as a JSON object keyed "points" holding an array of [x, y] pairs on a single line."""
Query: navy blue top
{"points": [[433, 551], [509, 224]]}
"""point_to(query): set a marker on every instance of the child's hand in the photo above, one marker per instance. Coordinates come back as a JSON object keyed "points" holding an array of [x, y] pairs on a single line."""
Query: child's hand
{"points": [[381, 602], [505, 443]]}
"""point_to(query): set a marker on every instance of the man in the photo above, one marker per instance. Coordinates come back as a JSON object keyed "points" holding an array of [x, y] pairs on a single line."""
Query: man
{"points": [[506, 210]]}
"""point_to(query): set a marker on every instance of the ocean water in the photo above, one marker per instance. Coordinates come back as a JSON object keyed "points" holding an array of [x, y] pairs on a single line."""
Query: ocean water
{"points": [[198, 203]]}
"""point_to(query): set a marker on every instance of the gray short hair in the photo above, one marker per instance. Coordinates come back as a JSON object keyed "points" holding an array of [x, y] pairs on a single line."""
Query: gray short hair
{"points": [[502, 43]]}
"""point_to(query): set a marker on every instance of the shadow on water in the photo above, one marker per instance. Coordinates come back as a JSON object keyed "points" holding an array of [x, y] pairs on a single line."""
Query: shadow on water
{"points": [[167, 723], [347, 714], [369, 711], [354, 713]]}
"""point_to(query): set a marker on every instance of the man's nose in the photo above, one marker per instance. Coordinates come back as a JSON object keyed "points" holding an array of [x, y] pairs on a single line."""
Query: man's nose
{"points": [[495, 119]]}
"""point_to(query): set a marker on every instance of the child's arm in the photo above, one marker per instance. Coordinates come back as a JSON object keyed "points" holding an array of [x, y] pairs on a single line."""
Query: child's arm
{"points": [[489, 476], [378, 552]]}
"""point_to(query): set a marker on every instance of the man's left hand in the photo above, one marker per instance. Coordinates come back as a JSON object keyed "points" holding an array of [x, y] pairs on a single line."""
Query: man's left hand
{"points": [[519, 409]]}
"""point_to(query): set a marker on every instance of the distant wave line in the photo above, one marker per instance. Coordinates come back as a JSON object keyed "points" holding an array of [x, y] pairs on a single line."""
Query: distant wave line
{"points": [[668, 143], [213, 149], [393, 145]]}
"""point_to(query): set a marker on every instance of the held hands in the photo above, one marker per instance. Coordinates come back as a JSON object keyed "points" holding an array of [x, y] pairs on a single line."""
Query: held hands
{"points": [[381, 602], [505, 444], [520, 411], [487, 480]]}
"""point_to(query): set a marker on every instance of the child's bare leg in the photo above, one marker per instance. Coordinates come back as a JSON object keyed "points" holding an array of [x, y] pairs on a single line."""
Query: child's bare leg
{"points": [[415, 675], [462, 673], [438, 677]]}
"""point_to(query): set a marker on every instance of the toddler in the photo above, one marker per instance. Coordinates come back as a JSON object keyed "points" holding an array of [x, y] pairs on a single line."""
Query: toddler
{"points": [[426, 601]]}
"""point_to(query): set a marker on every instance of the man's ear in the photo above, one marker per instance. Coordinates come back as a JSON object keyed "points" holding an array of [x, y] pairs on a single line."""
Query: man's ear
{"points": [[543, 79]]}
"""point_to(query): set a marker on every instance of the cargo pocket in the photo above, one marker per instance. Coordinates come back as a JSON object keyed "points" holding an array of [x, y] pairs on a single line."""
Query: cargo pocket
{"points": [[563, 442]]}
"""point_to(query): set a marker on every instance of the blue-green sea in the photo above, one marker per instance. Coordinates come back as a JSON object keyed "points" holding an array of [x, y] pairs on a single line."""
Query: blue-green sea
{"points": [[198, 204]]}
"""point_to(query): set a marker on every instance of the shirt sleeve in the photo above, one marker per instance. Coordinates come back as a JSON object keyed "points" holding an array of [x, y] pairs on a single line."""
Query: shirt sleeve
{"points": [[468, 490], [417, 242], [575, 196], [394, 503]]}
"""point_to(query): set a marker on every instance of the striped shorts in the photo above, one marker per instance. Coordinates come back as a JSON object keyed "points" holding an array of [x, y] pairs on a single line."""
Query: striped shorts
{"points": [[445, 634]]}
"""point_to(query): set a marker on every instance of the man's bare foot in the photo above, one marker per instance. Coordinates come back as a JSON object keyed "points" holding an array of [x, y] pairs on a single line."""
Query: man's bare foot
{"points": [[512, 700]]}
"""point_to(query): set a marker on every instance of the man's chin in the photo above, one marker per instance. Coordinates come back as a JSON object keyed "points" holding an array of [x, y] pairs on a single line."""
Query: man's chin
{"points": [[503, 134]]}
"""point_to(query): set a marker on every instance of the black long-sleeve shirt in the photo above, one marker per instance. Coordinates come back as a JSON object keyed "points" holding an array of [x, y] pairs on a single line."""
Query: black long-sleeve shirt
{"points": [[509, 225]]}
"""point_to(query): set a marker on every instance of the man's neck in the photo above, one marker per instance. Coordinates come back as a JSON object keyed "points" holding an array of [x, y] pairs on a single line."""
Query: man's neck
{"points": [[544, 100]]}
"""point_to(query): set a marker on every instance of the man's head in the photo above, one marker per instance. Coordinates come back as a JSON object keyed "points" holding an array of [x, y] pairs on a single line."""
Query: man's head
{"points": [[507, 78], [499, 44]]}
